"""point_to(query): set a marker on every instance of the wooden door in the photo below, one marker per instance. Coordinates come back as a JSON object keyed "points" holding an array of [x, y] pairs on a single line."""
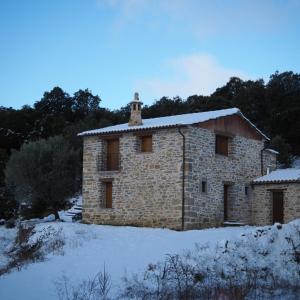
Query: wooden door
{"points": [[112, 155], [225, 202], [108, 194], [277, 206]]}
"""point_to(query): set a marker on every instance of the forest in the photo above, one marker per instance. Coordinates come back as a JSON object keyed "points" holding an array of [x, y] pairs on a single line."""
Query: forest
{"points": [[273, 106]]}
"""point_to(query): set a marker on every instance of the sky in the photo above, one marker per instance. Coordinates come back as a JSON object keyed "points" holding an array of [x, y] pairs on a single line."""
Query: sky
{"points": [[154, 47]]}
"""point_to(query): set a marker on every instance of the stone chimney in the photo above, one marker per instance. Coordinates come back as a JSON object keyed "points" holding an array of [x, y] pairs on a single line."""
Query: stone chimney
{"points": [[135, 111]]}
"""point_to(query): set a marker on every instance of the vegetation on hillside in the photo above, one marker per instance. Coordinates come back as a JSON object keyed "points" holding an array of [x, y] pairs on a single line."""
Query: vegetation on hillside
{"points": [[274, 107]]}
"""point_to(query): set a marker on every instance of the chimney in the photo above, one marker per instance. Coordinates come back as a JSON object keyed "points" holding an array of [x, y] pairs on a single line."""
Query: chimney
{"points": [[135, 111]]}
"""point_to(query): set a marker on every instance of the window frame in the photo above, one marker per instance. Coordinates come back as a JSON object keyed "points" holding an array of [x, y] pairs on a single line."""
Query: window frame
{"points": [[246, 190], [219, 148], [204, 186], [143, 146]]}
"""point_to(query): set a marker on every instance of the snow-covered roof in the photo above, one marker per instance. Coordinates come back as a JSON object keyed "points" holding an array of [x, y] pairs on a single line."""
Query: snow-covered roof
{"points": [[272, 151], [280, 176], [171, 121]]}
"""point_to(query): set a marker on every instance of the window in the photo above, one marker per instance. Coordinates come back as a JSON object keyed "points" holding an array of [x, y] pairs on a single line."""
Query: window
{"points": [[222, 145], [203, 186], [146, 143], [246, 190], [108, 194], [112, 155]]}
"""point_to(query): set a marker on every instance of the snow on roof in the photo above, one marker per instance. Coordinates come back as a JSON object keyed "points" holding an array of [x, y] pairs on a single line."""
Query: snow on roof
{"points": [[280, 175], [272, 151], [171, 121]]}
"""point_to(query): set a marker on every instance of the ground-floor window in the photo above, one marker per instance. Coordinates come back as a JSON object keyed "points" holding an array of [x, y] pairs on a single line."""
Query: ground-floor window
{"points": [[108, 194]]}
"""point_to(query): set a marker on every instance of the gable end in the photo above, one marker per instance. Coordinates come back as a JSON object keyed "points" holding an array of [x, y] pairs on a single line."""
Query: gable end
{"points": [[232, 125]]}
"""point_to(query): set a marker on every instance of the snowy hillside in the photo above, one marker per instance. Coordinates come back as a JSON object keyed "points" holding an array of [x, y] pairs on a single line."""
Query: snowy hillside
{"points": [[85, 249]]}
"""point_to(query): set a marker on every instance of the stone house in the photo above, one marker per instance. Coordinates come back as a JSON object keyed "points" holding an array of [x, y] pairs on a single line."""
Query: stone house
{"points": [[276, 197], [181, 172]]}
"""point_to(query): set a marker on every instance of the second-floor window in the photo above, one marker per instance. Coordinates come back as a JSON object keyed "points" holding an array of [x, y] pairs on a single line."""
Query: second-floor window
{"points": [[222, 144], [146, 143], [112, 155]]}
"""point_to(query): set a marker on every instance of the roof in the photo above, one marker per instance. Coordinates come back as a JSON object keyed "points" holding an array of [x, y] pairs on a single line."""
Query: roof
{"points": [[171, 121], [280, 176]]}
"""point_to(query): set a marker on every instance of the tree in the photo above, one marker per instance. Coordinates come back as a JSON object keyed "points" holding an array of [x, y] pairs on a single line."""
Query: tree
{"points": [[8, 204], [84, 102], [54, 112], [44, 174], [283, 96], [284, 156]]}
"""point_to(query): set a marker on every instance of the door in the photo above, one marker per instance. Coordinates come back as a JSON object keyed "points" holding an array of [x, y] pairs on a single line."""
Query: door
{"points": [[225, 202], [112, 155], [277, 206]]}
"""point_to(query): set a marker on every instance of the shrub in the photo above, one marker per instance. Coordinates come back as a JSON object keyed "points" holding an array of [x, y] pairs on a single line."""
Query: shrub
{"points": [[97, 288], [44, 174]]}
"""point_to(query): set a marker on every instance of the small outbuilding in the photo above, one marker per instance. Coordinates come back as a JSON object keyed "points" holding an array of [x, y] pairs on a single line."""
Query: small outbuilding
{"points": [[276, 197]]}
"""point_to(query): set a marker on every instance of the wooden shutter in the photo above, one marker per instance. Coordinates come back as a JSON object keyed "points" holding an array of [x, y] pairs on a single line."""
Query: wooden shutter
{"points": [[108, 194], [222, 145], [113, 155], [277, 206], [146, 143]]}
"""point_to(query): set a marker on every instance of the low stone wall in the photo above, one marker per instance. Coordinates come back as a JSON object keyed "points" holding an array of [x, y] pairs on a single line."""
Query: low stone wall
{"points": [[262, 208]]}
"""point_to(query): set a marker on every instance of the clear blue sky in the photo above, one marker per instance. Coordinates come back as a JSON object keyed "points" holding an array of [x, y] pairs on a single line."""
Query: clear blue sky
{"points": [[157, 48]]}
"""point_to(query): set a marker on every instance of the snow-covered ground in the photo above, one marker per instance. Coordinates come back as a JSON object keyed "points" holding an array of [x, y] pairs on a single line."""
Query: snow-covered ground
{"points": [[86, 249], [89, 247], [7, 237]]}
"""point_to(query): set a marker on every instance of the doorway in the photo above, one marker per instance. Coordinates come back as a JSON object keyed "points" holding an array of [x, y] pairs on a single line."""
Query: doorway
{"points": [[278, 207]]}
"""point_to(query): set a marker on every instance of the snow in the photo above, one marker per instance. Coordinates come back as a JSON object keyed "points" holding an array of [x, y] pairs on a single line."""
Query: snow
{"points": [[296, 162], [172, 121], [272, 151], [280, 175], [88, 248], [7, 237]]}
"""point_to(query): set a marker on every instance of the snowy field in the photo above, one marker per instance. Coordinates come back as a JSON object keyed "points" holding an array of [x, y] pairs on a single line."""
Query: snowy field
{"points": [[86, 249], [89, 247]]}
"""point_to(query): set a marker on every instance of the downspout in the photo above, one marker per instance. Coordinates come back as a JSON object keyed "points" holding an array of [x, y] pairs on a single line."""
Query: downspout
{"points": [[262, 158], [183, 176]]}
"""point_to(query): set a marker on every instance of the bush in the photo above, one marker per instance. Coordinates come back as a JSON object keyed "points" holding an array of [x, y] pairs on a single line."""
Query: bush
{"points": [[44, 174], [97, 288]]}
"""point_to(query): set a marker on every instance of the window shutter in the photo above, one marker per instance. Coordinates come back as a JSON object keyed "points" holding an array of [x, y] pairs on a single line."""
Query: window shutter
{"points": [[146, 143], [112, 155], [222, 145], [108, 194]]}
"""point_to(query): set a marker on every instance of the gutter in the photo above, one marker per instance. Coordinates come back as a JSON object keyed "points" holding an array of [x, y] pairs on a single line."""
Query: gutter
{"points": [[183, 176]]}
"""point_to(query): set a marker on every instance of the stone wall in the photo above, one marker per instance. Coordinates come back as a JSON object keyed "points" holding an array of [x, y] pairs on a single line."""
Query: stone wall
{"points": [[269, 161], [237, 170], [262, 210], [146, 190]]}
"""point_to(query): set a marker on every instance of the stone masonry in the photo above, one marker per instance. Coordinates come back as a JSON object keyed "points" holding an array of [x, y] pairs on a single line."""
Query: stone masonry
{"points": [[262, 204], [237, 170], [146, 189]]}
